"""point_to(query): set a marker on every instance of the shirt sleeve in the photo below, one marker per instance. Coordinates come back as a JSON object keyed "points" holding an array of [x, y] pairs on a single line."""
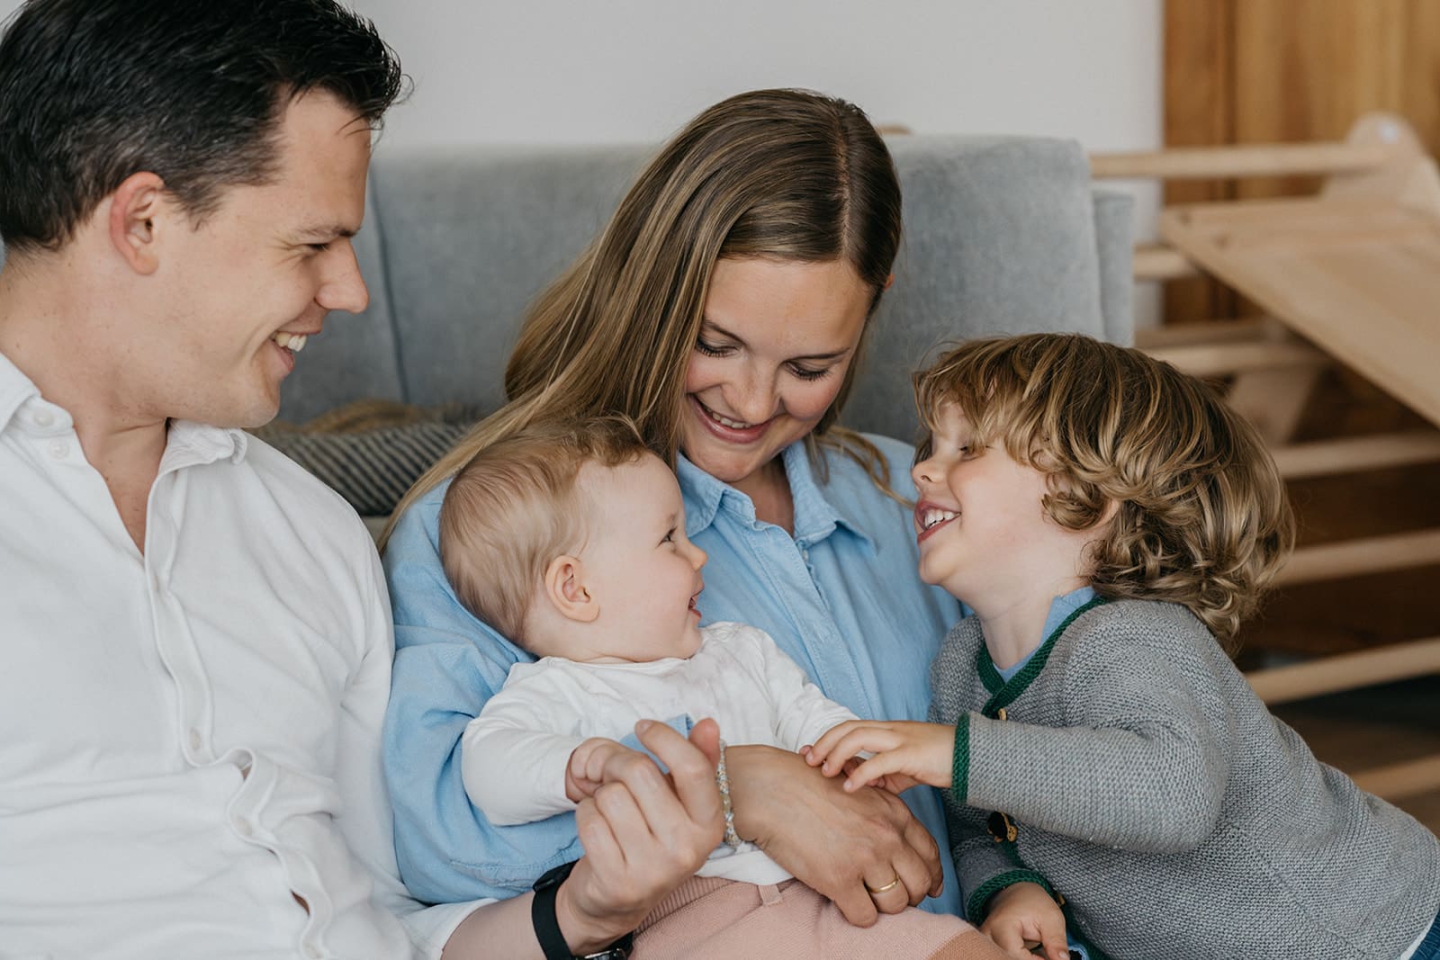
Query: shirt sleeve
{"points": [[513, 756], [364, 818], [1142, 760], [447, 665], [802, 711]]}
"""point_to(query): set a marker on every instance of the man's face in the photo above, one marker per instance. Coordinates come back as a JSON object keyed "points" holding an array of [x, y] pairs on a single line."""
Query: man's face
{"points": [[242, 289]]}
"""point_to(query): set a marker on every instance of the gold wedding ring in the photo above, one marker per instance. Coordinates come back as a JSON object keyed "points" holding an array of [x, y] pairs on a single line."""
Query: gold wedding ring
{"points": [[889, 886]]}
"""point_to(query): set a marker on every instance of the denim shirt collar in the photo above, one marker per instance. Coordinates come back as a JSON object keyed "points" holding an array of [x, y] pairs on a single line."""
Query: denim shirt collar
{"points": [[816, 516]]}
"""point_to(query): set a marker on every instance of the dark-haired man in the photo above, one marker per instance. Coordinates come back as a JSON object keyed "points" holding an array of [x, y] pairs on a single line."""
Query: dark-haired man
{"points": [[195, 637]]}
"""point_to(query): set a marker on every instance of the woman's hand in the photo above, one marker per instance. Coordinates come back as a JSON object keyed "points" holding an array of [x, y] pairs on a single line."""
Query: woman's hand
{"points": [[643, 837], [843, 845], [905, 753], [1023, 919]]}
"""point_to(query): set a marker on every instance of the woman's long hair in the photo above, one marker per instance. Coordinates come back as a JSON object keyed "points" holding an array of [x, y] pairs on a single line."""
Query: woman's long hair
{"points": [[783, 174]]}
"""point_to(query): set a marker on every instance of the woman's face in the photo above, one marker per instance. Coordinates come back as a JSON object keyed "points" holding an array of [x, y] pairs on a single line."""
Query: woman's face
{"points": [[776, 341]]}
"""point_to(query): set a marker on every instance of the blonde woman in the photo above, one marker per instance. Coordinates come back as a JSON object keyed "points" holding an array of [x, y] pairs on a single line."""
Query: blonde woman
{"points": [[724, 309]]}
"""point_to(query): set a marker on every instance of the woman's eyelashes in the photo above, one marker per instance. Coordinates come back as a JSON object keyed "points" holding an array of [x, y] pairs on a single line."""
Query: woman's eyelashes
{"points": [[799, 371]]}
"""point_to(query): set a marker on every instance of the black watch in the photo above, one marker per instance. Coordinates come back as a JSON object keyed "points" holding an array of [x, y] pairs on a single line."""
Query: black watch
{"points": [[547, 928]]}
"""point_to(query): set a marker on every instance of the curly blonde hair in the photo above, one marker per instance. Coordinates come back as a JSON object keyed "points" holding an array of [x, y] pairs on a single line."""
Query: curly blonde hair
{"points": [[1202, 517]]}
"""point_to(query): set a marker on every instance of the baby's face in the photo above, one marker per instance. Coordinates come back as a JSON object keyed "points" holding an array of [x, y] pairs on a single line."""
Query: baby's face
{"points": [[642, 569]]}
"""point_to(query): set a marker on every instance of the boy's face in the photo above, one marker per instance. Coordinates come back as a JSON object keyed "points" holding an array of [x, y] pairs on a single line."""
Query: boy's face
{"points": [[981, 526], [640, 567]]}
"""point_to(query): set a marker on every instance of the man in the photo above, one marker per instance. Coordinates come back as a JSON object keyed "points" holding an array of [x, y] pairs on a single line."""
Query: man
{"points": [[195, 633]]}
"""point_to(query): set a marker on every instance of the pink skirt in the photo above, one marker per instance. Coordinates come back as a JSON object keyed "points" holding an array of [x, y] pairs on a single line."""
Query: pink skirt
{"points": [[708, 918]]}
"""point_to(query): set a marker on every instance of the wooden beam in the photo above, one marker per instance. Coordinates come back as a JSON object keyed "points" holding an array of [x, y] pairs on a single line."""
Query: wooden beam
{"points": [[1399, 780], [1347, 671], [1349, 558], [1217, 359], [1250, 160], [1355, 454], [1203, 332], [1156, 262]]}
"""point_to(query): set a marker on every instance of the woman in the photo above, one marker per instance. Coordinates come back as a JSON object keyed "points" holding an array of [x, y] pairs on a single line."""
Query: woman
{"points": [[724, 308]]}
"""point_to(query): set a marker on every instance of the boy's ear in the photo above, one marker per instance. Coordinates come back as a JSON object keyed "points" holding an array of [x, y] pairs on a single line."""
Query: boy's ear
{"points": [[568, 593], [135, 207]]}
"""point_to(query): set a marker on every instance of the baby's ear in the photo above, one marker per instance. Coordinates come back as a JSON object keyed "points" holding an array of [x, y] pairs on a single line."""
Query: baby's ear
{"points": [[566, 590]]}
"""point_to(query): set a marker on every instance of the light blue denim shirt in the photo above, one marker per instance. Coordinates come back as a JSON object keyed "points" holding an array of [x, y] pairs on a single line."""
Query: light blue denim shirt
{"points": [[841, 597]]}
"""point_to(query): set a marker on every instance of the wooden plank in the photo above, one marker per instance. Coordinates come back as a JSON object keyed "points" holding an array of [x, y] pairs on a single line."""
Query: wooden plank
{"points": [[1347, 671], [1358, 277], [1202, 332], [1397, 781], [1218, 359], [1363, 555], [1158, 262], [1251, 160], [1354, 454]]}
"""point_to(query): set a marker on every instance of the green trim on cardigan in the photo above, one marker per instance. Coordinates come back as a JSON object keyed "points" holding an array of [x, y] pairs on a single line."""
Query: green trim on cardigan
{"points": [[1006, 694], [960, 764], [980, 899]]}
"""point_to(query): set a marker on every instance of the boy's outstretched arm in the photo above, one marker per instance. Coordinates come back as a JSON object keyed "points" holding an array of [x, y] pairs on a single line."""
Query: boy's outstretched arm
{"points": [[905, 752]]}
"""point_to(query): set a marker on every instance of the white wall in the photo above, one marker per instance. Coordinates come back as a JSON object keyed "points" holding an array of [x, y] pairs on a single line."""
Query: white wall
{"points": [[547, 71]]}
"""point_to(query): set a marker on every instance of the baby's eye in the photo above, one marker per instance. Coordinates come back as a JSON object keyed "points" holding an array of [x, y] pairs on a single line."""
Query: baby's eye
{"points": [[669, 536]]}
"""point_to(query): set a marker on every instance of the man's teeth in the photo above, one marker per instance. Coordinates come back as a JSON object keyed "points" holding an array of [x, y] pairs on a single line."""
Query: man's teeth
{"points": [[727, 422], [934, 516], [294, 342]]}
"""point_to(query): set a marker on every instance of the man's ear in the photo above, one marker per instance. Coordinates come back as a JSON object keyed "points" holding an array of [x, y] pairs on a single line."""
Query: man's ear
{"points": [[566, 589], [135, 207]]}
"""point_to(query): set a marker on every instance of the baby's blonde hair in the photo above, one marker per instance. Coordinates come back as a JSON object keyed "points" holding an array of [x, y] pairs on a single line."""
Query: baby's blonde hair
{"points": [[514, 507], [1202, 516]]}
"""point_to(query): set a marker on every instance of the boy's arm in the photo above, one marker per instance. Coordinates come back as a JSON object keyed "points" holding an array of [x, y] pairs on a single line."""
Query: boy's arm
{"points": [[1143, 758], [982, 865]]}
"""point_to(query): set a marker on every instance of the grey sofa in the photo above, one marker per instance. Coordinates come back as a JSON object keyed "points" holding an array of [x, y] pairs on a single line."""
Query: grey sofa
{"points": [[1001, 235]]}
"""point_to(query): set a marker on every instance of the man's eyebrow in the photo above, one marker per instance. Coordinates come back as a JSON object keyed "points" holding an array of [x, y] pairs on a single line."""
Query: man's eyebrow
{"points": [[833, 355], [325, 231]]}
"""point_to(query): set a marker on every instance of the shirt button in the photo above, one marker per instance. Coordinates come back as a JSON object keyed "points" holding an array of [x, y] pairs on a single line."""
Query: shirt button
{"points": [[195, 741], [313, 951], [244, 827], [44, 418], [59, 450]]}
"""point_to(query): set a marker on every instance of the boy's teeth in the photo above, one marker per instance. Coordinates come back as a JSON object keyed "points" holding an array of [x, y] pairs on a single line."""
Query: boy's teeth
{"points": [[933, 516], [291, 341]]}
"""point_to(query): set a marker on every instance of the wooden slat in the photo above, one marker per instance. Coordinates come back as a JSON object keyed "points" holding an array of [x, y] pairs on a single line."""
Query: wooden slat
{"points": [[1347, 671], [1202, 332], [1155, 262], [1231, 162], [1397, 781], [1355, 454], [1217, 359], [1361, 556]]}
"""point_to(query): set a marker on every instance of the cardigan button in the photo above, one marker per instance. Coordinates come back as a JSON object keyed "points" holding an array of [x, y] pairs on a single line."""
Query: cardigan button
{"points": [[1001, 714]]}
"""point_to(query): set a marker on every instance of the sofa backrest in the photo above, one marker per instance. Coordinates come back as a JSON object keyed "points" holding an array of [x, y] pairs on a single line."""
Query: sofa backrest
{"points": [[1002, 235]]}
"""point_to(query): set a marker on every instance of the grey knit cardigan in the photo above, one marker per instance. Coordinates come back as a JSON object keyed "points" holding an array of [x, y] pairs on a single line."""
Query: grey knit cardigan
{"points": [[1147, 785]]}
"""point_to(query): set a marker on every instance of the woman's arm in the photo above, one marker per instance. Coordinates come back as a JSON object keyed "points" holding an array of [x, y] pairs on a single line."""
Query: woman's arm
{"points": [[835, 842], [642, 838]]}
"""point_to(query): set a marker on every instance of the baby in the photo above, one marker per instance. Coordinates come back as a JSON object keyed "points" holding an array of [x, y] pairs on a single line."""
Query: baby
{"points": [[1108, 519], [570, 539]]}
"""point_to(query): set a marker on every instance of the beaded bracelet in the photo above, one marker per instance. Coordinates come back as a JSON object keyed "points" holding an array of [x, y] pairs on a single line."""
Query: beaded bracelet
{"points": [[722, 780]]}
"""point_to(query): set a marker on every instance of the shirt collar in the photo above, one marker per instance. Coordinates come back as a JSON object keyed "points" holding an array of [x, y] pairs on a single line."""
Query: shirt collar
{"points": [[188, 443], [816, 517], [15, 389]]}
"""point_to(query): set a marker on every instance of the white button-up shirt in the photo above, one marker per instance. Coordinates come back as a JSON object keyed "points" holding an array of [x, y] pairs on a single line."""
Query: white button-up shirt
{"points": [[190, 738]]}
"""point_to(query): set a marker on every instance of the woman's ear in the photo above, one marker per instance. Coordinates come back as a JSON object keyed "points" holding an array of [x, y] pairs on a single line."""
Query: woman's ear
{"points": [[566, 589], [134, 207]]}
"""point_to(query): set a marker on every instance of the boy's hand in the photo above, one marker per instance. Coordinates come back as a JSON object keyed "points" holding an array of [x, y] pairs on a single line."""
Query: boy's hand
{"points": [[586, 769], [1024, 918], [905, 753]]}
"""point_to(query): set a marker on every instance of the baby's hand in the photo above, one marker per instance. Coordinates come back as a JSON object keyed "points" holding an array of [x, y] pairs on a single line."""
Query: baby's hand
{"points": [[586, 769], [905, 753], [1024, 919]]}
